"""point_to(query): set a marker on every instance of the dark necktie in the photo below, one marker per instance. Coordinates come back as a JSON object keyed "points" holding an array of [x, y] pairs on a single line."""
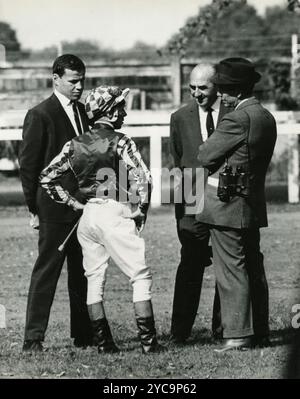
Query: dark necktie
{"points": [[209, 122], [76, 116]]}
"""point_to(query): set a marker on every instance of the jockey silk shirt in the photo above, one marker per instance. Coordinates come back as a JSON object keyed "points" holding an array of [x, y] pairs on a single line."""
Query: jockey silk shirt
{"points": [[97, 159]]}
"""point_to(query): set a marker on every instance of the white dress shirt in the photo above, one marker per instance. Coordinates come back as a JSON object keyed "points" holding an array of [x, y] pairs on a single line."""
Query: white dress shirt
{"points": [[203, 115], [67, 106], [212, 181]]}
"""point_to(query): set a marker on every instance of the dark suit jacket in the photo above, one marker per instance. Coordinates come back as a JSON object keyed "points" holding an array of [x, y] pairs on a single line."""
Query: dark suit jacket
{"points": [[185, 139], [46, 129], [247, 138]]}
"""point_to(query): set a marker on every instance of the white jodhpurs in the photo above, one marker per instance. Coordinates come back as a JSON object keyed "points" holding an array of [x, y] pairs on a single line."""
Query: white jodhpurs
{"points": [[104, 232]]}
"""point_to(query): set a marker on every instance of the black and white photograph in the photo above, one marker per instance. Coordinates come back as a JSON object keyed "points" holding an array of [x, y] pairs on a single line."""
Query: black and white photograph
{"points": [[149, 192]]}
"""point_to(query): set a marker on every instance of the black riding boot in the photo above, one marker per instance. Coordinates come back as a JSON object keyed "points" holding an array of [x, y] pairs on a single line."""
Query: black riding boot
{"points": [[146, 327], [103, 337], [102, 334]]}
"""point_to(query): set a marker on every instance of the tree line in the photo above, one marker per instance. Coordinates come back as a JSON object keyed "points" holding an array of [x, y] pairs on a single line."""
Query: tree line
{"points": [[222, 28]]}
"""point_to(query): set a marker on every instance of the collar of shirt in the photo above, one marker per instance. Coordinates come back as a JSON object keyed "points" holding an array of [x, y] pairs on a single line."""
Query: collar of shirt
{"points": [[104, 122], [216, 105], [67, 106], [203, 114], [244, 100], [65, 101]]}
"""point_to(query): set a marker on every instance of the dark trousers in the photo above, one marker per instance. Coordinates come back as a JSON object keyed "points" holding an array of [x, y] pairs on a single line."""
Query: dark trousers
{"points": [[44, 280], [241, 281], [195, 256]]}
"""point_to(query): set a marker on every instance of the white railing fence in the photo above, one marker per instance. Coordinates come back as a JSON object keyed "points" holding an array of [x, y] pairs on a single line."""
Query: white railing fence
{"points": [[155, 125]]}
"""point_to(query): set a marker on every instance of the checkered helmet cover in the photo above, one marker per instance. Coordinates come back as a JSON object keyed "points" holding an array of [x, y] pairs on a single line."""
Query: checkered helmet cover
{"points": [[103, 99]]}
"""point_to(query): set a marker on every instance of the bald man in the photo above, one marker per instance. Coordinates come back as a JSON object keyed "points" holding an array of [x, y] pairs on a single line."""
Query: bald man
{"points": [[189, 127]]}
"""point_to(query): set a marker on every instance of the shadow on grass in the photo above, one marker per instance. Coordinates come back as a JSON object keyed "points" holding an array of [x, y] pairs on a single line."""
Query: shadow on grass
{"points": [[292, 370], [284, 336]]}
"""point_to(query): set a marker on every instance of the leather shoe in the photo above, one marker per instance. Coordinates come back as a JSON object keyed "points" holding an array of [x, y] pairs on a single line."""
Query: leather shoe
{"points": [[34, 345], [154, 348], [110, 348], [241, 344], [83, 343], [177, 339], [262, 341]]}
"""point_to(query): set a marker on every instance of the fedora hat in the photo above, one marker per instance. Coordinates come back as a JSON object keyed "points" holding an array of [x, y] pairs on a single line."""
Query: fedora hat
{"points": [[235, 71]]}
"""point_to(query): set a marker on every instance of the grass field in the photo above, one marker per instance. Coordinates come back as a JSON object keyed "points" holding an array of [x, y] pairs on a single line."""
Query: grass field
{"points": [[18, 249]]}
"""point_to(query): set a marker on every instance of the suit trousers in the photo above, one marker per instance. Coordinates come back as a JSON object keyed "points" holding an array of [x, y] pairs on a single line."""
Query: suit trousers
{"points": [[195, 256], [44, 278], [241, 281]]}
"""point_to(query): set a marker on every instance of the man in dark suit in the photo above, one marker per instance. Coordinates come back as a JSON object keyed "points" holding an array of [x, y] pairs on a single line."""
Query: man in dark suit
{"points": [[234, 203], [47, 127], [189, 127]]}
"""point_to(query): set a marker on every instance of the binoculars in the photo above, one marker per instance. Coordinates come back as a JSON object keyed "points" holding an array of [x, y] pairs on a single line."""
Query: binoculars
{"points": [[232, 184]]}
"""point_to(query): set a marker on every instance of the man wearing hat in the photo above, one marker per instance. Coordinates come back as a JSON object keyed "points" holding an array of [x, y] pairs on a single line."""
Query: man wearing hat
{"points": [[236, 157], [111, 176]]}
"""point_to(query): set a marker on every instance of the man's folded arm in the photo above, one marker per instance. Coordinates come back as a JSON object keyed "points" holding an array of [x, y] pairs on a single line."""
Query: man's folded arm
{"points": [[227, 137]]}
